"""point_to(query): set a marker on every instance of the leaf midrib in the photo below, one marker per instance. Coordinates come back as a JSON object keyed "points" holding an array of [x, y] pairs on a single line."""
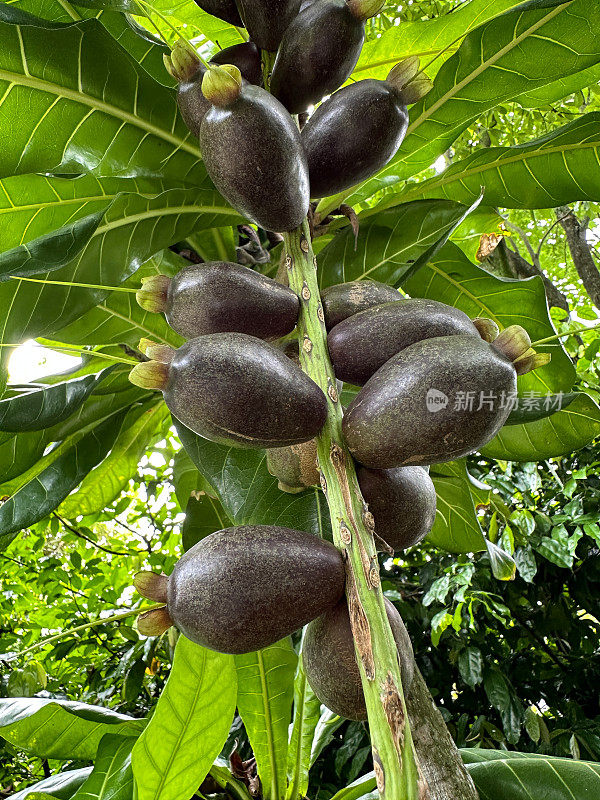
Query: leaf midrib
{"points": [[47, 87]]}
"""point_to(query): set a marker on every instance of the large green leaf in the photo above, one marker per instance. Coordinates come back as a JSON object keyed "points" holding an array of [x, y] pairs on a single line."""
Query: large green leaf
{"points": [[189, 725], [62, 786], [519, 51], [451, 278], [249, 493], [456, 527], [60, 728], [124, 225], [560, 434], [42, 408], [119, 319], [426, 39], [91, 108], [388, 243], [145, 48], [532, 777], [44, 492], [112, 777], [265, 694], [203, 515], [106, 481], [558, 168], [307, 712], [560, 88], [134, 227]]}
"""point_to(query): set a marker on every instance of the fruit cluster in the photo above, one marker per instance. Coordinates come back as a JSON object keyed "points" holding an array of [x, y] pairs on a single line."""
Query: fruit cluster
{"points": [[252, 149], [234, 381]]}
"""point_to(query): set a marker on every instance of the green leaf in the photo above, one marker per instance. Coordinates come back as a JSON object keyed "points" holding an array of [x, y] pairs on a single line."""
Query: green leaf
{"points": [[307, 712], [502, 696], [560, 89], [503, 564], [203, 515], [265, 694], [43, 408], [61, 786], [441, 35], [145, 49], [112, 778], [365, 786], [451, 278], [531, 409], [92, 109], [518, 51], [189, 726], [131, 227], [389, 243], [119, 319], [248, 492], [456, 527], [61, 728], [46, 490], [324, 733], [470, 666], [556, 169], [106, 481], [527, 776], [558, 435]]}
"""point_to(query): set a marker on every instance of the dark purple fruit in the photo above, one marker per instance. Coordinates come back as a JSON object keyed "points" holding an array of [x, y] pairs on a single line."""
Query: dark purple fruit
{"points": [[267, 20], [361, 344], [345, 299], [437, 400], [253, 153], [189, 71], [402, 501], [295, 467], [223, 9], [246, 57], [318, 52], [235, 389], [351, 136], [219, 297], [242, 589], [330, 662]]}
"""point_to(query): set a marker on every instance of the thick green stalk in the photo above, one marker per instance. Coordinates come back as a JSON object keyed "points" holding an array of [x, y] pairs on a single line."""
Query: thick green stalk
{"points": [[396, 768]]}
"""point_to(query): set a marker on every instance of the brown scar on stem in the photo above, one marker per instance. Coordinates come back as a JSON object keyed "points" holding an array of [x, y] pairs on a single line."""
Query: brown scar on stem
{"points": [[379, 773], [394, 711], [361, 629]]}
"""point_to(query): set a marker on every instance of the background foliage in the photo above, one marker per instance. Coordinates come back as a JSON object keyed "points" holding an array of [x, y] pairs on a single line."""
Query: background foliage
{"points": [[102, 184]]}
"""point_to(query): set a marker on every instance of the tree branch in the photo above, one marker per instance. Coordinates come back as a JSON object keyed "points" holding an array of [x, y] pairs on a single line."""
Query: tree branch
{"points": [[581, 251], [508, 263]]}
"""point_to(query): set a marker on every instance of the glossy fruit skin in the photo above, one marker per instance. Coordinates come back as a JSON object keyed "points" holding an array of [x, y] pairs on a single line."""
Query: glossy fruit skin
{"points": [[388, 423], [402, 501], [267, 20], [219, 297], [223, 9], [330, 662], [235, 389], [253, 153], [246, 57], [318, 52], [193, 106], [361, 344], [342, 300], [378, 120], [242, 589]]}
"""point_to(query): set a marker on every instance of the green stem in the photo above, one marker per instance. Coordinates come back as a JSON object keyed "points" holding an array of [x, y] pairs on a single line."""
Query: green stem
{"points": [[565, 335], [393, 751], [135, 612]]}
